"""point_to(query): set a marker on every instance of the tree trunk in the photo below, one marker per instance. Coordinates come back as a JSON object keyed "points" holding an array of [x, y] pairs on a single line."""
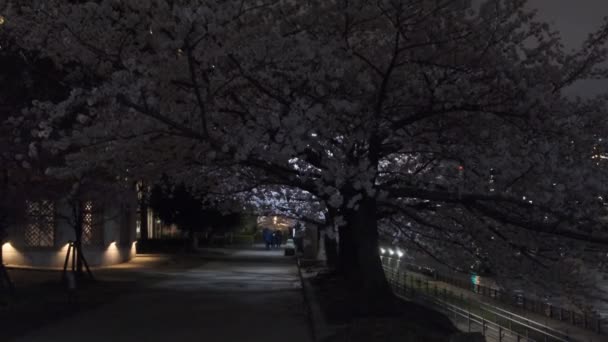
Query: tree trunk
{"points": [[347, 254], [193, 239], [1, 244], [143, 219], [359, 241], [78, 242], [330, 244]]}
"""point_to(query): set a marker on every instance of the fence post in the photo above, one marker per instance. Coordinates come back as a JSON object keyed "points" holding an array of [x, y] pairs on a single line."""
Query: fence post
{"points": [[499, 333], [427, 286], [483, 326], [585, 319], [469, 320]]}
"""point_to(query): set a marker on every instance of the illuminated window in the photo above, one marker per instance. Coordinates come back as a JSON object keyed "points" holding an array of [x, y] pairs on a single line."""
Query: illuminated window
{"points": [[40, 223], [91, 230]]}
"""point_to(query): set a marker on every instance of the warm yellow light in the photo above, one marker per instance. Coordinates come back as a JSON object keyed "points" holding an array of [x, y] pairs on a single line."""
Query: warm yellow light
{"points": [[7, 243], [274, 220], [1, 20]]}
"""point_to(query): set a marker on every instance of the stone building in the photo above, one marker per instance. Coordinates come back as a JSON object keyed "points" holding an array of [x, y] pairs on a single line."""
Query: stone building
{"points": [[43, 228]]}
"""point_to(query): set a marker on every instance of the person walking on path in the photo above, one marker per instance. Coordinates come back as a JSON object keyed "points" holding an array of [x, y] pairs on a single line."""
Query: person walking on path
{"points": [[279, 238], [267, 236]]}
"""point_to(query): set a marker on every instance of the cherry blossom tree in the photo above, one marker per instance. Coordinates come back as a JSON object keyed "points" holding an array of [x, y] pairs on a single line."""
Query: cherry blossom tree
{"points": [[442, 121]]}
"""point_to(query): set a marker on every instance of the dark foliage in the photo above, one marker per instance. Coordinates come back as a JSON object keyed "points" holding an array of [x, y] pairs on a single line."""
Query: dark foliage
{"points": [[176, 204]]}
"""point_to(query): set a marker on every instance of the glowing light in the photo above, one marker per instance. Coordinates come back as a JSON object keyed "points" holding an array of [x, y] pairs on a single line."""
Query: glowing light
{"points": [[460, 168], [399, 253], [475, 279], [274, 220], [391, 252], [382, 250], [2, 20]]}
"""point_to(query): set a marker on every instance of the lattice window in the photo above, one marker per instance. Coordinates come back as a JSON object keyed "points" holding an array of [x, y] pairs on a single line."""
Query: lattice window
{"points": [[40, 223], [91, 230]]}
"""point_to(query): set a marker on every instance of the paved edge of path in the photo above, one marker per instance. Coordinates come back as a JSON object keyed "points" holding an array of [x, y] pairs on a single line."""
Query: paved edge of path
{"points": [[319, 326]]}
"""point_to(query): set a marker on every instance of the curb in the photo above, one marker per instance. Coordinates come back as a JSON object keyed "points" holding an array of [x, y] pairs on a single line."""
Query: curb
{"points": [[319, 327]]}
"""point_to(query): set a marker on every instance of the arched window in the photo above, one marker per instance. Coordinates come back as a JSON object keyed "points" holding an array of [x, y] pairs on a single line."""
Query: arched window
{"points": [[40, 223], [92, 229]]}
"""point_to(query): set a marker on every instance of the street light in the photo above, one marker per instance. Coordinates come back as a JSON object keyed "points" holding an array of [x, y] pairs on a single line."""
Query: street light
{"points": [[382, 250], [391, 252], [399, 253]]}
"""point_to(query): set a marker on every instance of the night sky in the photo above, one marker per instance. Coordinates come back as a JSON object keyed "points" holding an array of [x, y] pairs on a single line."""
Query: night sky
{"points": [[575, 19]]}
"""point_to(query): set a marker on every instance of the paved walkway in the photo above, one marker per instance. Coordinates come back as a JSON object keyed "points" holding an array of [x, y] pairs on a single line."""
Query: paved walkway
{"points": [[243, 295]]}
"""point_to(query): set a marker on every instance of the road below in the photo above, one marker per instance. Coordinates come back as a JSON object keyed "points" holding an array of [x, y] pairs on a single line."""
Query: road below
{"points": [[248, 295]]}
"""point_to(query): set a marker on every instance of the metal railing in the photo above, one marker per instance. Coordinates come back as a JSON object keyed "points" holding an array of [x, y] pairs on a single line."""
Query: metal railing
{"points": [[494, 323], [585, 320]]}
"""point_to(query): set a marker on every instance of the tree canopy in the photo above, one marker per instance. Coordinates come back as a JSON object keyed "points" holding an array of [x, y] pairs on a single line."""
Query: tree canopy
{"points": [[441, 123]]}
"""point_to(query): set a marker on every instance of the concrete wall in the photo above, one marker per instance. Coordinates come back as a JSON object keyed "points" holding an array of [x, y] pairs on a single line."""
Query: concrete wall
{"points": [[54, 257], [118, 243]]}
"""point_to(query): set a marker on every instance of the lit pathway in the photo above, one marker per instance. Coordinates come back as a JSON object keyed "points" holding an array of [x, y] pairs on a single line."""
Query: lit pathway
{"points": [[248, 295]]}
